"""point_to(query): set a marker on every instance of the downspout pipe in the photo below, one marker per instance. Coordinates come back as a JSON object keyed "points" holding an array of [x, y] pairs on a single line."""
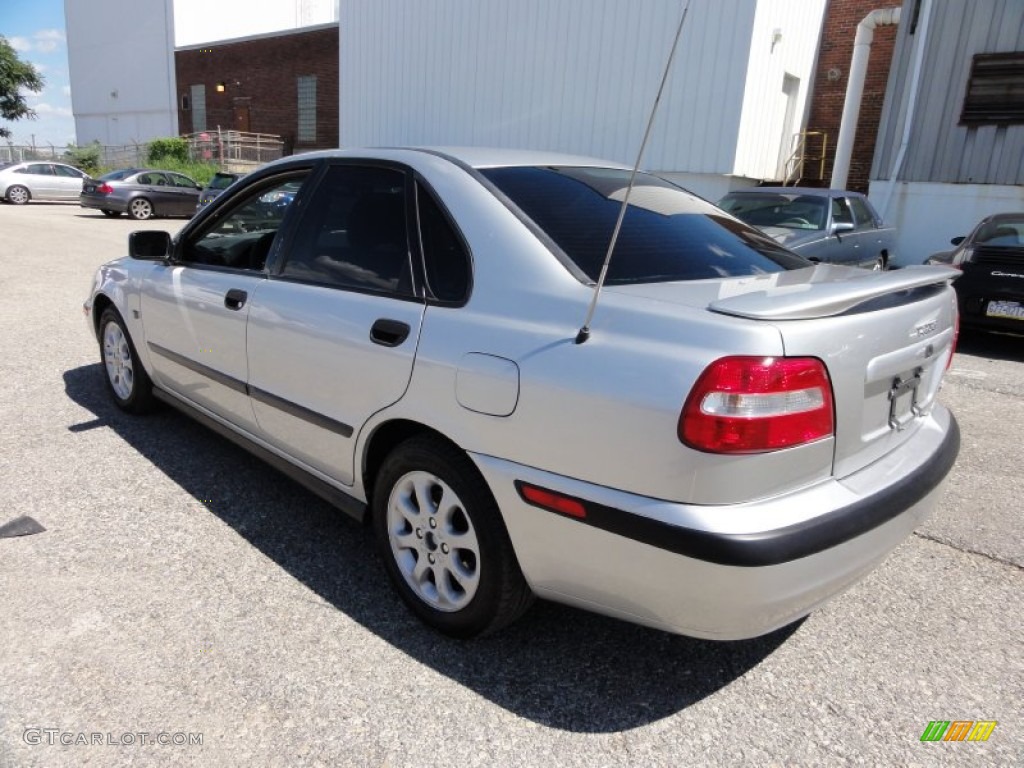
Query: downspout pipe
{"points": [[881, 17]]}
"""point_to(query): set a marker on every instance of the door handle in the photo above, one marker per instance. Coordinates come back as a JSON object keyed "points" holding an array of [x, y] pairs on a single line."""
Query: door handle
{"points": [[389, 333], [235, 298]]}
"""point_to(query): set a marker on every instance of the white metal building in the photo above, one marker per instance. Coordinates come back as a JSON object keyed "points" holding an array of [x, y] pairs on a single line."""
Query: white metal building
{"points": [[580, 76]]}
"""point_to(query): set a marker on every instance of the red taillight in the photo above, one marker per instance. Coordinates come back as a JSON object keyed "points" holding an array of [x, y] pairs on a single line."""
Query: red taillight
{"points": [[104, 189], [755, 404]]}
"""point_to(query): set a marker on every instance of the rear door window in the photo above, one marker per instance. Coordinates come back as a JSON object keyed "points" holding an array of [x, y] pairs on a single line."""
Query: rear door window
{"points": [[354, 232], [667, 234]]}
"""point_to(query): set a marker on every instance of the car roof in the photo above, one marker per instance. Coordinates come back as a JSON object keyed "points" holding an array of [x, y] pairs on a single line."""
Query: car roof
{"points": [[811, 191], [474, 157]]}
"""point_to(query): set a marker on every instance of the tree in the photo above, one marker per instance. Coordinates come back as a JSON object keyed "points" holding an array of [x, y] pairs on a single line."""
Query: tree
{"points": [[15, 74]]}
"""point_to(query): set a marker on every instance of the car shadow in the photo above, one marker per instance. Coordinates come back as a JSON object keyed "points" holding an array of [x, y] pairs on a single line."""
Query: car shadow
{"points": [[557, 666], [995, 346]]}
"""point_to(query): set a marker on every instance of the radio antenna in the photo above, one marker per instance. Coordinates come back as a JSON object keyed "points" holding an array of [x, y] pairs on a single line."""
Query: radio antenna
{"points": [[584, 332]]}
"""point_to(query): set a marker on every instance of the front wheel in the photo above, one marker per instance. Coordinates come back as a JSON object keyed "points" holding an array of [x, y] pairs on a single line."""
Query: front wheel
{"points": [[444, 542], [18, 194], [127, 381], [140, 208]]}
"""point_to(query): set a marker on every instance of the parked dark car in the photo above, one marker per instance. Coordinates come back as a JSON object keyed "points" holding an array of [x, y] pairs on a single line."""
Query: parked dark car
{"points": [[834, 226], [991, 258], [220, 181], [141, 193]]}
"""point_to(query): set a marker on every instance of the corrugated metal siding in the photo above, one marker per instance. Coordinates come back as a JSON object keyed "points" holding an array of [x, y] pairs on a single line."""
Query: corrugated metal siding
{"points": [[762, 129], [573, 75], [940, 150]]}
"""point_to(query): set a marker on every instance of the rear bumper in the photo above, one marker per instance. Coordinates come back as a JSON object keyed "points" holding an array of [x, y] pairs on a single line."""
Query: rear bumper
{"points": [[727, 572], [103, 203]]}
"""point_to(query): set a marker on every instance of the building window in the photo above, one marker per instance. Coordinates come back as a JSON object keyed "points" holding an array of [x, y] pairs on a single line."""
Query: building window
{"points": [[198, 93], [995, 90], [307, 110]]}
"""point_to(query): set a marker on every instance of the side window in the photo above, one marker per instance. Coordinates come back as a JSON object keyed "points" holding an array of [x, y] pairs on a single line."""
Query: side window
{"points": [[841, 211], [40, 169], [63, 170], [861, 214], [353, 233], [445, 259], [242, 238], [182, 181]]}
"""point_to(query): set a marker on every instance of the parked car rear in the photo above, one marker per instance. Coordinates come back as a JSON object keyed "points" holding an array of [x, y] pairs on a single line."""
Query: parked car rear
{"points": [[220, 181], [991, 258], [142, 193]]}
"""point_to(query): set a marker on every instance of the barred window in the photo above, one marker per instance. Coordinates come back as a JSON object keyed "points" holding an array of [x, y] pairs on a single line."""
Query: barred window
{"points": [[198, 107], [307, 109], [995, 90]]}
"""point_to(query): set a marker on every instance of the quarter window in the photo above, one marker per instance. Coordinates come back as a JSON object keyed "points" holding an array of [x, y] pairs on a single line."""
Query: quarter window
{"points": [[444, 256], [353, 233]]}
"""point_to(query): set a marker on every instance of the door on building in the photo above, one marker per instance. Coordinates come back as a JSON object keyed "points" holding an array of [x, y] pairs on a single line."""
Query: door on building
{"points": [[790, 92], [241, 121]]}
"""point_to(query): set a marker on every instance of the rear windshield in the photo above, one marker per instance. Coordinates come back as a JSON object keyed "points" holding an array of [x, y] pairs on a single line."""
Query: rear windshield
{"points": [[118, 175], [222, 181], [667, 234]]}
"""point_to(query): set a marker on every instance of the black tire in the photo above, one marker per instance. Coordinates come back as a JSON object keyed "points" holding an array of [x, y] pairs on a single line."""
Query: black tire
{"points": [[127, 381], [140, 209], [18, 194], [111, 214], [500, 594]]}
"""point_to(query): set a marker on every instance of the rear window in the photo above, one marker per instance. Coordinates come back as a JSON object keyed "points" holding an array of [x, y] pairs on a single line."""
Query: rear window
{"points": [[118, 175], [667, 234], [222, 181]]}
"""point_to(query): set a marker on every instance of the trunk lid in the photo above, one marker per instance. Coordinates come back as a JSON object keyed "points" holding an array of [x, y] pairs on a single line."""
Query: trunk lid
{"points": [[885, 338]]}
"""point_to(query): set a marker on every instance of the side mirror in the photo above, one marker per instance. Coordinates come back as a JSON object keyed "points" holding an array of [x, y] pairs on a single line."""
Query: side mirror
{"points": [[842, 226], [149, 245], [957, 240]]}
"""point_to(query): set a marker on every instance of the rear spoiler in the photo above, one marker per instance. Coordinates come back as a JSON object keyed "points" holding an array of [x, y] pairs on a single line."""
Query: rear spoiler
{"points": [[830, 291]]}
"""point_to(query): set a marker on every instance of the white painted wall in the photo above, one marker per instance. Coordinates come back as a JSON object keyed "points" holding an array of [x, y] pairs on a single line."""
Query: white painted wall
{"points": [[762, 133], [927, 215], [574, 75], [121, 64]]}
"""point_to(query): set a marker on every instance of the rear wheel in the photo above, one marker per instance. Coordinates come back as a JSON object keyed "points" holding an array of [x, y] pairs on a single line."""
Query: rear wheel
{"points": [[127, 381], [18, 194], [444, 542], [140, 208]]}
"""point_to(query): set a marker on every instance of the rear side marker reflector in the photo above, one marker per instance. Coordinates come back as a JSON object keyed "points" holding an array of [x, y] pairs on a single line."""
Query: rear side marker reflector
{"points": [[758, 404], [551, 501]]}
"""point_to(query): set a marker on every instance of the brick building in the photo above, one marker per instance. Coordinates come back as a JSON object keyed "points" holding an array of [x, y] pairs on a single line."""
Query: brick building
{"points": [[830, 77], [280, 83]]}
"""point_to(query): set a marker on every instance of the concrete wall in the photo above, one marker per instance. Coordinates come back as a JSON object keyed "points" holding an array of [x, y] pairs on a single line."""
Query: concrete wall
{"points": [[121, 64], [928, 215]]}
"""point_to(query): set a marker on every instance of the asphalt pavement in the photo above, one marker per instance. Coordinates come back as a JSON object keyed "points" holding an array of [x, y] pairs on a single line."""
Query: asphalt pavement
{"points": [[188, 605]]}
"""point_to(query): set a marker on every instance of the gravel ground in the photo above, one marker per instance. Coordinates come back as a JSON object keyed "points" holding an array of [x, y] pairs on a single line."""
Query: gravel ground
{"points": [[182, 587]]}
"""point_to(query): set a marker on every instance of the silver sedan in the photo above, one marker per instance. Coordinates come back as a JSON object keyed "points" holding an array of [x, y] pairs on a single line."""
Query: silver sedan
{"points": [[742, 436], [34, 180]]}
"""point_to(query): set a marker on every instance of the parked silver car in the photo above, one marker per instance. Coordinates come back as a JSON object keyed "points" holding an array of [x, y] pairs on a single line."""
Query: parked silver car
{"points": [[743, 435], [142, 193], [832, 226], [34, 180]]}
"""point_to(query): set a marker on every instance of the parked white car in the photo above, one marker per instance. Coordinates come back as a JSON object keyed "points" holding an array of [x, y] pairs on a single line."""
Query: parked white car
{"points": [[743, 435], [34, 180]]}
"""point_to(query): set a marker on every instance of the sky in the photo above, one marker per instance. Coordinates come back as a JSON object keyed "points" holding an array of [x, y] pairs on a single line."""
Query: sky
{"points": [[35, 29]]}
